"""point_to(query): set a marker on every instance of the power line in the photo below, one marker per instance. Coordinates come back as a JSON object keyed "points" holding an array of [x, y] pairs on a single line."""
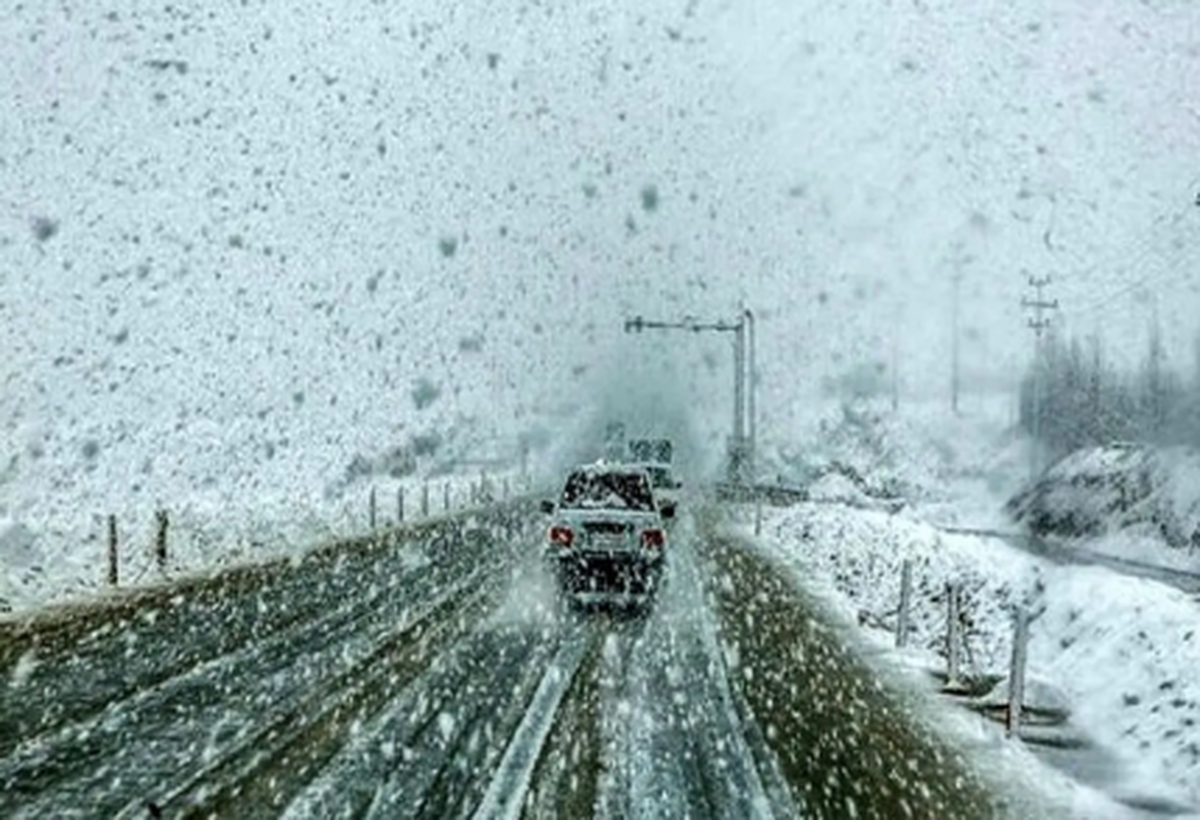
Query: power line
{"points": [[1148, 243], [1003, 34], [1162, 275]]}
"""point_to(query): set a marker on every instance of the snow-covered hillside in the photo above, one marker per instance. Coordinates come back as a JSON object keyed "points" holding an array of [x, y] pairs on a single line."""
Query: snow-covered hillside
{"points": [[1106, 495]]}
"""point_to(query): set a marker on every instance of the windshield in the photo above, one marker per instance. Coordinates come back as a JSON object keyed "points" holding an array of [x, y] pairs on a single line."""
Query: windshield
{"points": [[581, 408]]}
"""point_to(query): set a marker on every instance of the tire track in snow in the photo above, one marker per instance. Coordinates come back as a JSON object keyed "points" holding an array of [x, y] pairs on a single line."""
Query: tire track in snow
{"points": [[430, 750], [676, 740], [765, 789], [505, 797], [286, 744], [78, 657], [179, 729]]}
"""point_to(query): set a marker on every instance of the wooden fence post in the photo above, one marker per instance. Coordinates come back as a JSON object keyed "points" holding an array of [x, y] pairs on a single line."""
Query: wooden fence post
{"points": [[112, 550], [371, 515], [160, 540], [400, 505], [446, 497], [1016, 673], [953, 636], [905, 603], [425, 499]]}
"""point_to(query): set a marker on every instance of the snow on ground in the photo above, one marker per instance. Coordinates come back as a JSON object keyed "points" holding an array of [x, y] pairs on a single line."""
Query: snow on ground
{"points": [[1123, 650], [1145, 549]]}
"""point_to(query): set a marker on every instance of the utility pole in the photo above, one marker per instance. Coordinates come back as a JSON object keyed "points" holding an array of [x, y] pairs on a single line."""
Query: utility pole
{"points": [[954, 355], [739, 400], [1155, 401], [1039, 323], [895, 357], [742, 443]]}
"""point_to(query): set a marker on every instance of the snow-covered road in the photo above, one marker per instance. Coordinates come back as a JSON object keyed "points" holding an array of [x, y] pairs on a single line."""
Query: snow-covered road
{"points": [[438, 677]]}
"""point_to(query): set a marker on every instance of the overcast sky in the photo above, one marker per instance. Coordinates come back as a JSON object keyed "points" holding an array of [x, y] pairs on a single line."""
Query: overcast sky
{"points": [[276, 219]]}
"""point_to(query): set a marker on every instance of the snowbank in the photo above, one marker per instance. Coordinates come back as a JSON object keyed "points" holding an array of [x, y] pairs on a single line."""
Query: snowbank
{"points": [[1124, 650]]}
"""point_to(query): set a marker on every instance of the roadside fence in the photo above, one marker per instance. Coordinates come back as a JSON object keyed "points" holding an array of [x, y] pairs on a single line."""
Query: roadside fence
{"points": [[956, 631], [124, 564]]}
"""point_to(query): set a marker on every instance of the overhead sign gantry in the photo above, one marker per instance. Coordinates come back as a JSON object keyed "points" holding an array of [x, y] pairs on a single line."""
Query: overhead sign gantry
{"points": [[742, 442]]}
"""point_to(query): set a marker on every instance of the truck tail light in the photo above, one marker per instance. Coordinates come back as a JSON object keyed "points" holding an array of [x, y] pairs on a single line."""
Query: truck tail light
{"points": [[654, 538], [562, 536]]}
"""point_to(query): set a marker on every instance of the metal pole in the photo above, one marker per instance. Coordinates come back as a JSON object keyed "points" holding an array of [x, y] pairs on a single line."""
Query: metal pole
{"points": [[905, 603], [160, 540], [954, 353], [739, 403], [741, 444], [1039, 324], [1034, 460], [752, 431], [896, 360], [112, 550]]}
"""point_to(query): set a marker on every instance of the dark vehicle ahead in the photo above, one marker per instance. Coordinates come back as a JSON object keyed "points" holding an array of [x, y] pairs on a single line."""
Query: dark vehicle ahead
{"points": [[607, 538], [666, 486], [655, 450]]}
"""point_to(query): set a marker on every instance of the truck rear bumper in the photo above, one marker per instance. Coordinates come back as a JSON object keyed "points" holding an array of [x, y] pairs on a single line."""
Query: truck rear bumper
{"points": [[635, 573]]}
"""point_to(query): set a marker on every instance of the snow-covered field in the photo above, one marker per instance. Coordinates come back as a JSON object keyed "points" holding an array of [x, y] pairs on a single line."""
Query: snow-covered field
{"points": [[1122, 650], [66, 559], [953, 469]]}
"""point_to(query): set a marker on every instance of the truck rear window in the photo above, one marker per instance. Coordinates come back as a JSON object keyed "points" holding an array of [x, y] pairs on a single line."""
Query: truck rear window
{"points": [[628, 491]]}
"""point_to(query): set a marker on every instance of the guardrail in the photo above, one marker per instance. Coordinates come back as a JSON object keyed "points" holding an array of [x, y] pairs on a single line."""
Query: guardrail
{"points": [[774, 494]]}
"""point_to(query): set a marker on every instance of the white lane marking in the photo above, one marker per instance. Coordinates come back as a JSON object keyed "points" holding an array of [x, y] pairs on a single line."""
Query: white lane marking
{"points": [[740, 758], [506, 794]]}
